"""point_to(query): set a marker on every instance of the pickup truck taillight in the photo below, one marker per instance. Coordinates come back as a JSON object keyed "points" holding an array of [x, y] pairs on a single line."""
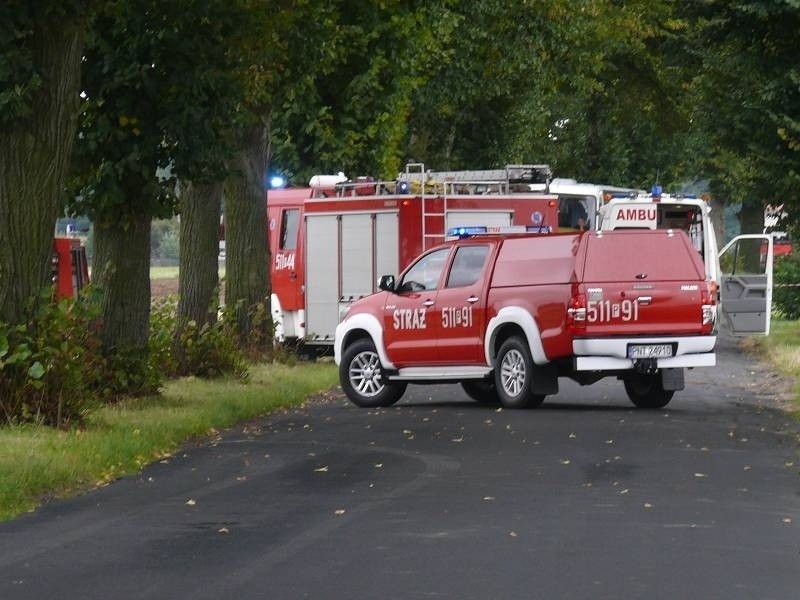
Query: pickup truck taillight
{"points": [[708, 300], [576, 311]]}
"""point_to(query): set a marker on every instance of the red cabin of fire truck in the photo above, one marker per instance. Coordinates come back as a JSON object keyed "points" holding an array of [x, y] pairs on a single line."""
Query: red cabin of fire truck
{"points": [[331, 241], [70, 271]]}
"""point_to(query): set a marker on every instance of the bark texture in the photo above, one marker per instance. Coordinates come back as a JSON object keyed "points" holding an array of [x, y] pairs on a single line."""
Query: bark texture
{"points": [[122, 269], [247, 253], [34, 158], [198, 278]]}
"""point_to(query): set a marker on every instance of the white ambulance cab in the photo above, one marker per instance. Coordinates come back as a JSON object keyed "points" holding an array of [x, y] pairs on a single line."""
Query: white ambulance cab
{"points": [[741, 271]]}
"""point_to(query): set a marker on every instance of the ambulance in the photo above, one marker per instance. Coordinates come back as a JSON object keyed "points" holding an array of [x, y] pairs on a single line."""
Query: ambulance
{"points": [[330, 241], [741, 272]]}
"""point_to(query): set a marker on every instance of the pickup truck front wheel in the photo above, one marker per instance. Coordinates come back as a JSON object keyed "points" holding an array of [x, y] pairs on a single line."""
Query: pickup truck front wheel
{"points": [[513, 375], [362, 378], [647, 391]]}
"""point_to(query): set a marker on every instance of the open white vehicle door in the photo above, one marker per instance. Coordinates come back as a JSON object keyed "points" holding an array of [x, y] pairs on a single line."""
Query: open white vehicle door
{"points": [[746, 284]]}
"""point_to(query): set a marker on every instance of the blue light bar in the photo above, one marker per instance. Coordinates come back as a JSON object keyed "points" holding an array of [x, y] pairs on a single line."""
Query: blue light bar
{"points": [[463, 232]]}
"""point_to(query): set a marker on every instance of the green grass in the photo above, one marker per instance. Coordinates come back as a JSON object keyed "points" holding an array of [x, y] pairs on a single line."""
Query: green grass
{"points": [[37, 463], [172, 272], [781, 349]]}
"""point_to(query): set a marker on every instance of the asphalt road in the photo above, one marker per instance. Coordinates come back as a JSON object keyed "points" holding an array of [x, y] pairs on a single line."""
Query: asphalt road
{"points": [[438, 497]]}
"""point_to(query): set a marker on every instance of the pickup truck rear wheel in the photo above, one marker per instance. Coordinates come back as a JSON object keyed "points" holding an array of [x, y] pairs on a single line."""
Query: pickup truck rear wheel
{"points": [[483, 391], [362, 377], [647, 391], [513, 375]]}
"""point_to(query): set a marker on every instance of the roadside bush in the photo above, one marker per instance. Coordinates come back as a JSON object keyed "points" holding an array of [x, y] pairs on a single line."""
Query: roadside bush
{"points": [[258, 344], [50, 367], [210, 351], [206, 351], [786, 300]]}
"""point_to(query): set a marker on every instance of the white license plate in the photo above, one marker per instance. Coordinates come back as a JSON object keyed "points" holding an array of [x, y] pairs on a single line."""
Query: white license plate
{"points": [[650, 351]]}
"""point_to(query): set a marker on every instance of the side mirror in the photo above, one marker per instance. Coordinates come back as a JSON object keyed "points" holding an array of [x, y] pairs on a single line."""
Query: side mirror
{"points": [[386, 283]]}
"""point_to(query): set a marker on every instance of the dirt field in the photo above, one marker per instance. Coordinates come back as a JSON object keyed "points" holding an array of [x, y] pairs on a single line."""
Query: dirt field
{"points": [[163, 287]]}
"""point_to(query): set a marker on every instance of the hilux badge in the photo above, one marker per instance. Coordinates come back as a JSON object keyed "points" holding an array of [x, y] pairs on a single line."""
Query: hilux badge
{"points": [[595, 294]]}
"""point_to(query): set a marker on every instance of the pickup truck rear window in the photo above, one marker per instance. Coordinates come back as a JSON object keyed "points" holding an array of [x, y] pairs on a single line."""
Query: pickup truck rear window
{"points": [[659, 255]]}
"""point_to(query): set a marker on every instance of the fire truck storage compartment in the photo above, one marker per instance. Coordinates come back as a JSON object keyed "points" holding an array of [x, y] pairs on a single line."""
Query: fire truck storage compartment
{"points": [[345, 254]]}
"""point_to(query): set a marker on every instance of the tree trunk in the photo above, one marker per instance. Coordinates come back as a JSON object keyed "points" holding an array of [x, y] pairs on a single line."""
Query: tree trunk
{"points": [[34, 158], [198, 278], [122, 270], [751, 217], [247, 254]]}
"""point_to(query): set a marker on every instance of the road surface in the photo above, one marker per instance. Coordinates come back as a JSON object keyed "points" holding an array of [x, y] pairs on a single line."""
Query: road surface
{"points": [[438, 497]]}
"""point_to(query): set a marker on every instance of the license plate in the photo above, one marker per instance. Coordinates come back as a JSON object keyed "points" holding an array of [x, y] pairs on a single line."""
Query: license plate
{"points": [[650, 351]]}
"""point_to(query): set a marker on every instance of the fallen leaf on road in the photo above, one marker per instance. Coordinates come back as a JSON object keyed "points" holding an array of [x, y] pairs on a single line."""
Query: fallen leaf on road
{"points": [[513, 534], [321, 470], [190, 502], [339, 511], [223, 530], [564, 461]]}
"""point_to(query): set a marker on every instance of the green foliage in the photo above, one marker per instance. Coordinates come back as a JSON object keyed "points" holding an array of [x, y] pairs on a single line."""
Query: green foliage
{"points": [[164, 239], [343, 101], [747, 98], [51, 366], [786, 294], [159, 91], [207, 351], [20, 78], [210, 351], [257, 345]]}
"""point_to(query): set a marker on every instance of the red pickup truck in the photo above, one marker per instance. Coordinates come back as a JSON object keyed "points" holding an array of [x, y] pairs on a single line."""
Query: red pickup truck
{"points": [[506, 316]]}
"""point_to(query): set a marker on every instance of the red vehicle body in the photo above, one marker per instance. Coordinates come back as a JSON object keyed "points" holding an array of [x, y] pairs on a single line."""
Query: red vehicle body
{"points": [[329, 243], [506, 316], [70, 269]]}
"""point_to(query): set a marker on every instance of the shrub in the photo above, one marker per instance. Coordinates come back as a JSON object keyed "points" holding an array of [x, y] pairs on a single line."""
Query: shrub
{"points": [[205, 351], [210, 351], [786, 293], [50, 367]]}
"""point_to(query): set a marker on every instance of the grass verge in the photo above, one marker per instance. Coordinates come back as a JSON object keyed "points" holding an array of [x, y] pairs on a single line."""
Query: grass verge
{"points": [[781, 349], [39, 462]]}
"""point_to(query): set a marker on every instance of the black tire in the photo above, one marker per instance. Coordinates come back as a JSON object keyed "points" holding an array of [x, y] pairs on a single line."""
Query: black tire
{"points": [[513, 375], [362, 378], [647, 391], [482, 391]]}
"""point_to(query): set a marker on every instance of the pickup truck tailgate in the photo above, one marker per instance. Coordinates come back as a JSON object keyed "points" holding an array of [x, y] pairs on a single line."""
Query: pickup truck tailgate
{"points": [[643, 283]]}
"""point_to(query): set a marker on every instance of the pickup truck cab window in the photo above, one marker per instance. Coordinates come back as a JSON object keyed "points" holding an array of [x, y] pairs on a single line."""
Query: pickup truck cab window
{"points": [[467, 265], [425, 273]]}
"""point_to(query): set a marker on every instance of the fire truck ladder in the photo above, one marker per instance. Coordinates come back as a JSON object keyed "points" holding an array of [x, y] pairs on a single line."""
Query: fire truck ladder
{"points": [[510, 179]]}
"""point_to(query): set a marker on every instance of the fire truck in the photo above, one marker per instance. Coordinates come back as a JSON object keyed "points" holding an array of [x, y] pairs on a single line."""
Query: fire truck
{"points": [[330, 241], [70, 271], [741, 270]]}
